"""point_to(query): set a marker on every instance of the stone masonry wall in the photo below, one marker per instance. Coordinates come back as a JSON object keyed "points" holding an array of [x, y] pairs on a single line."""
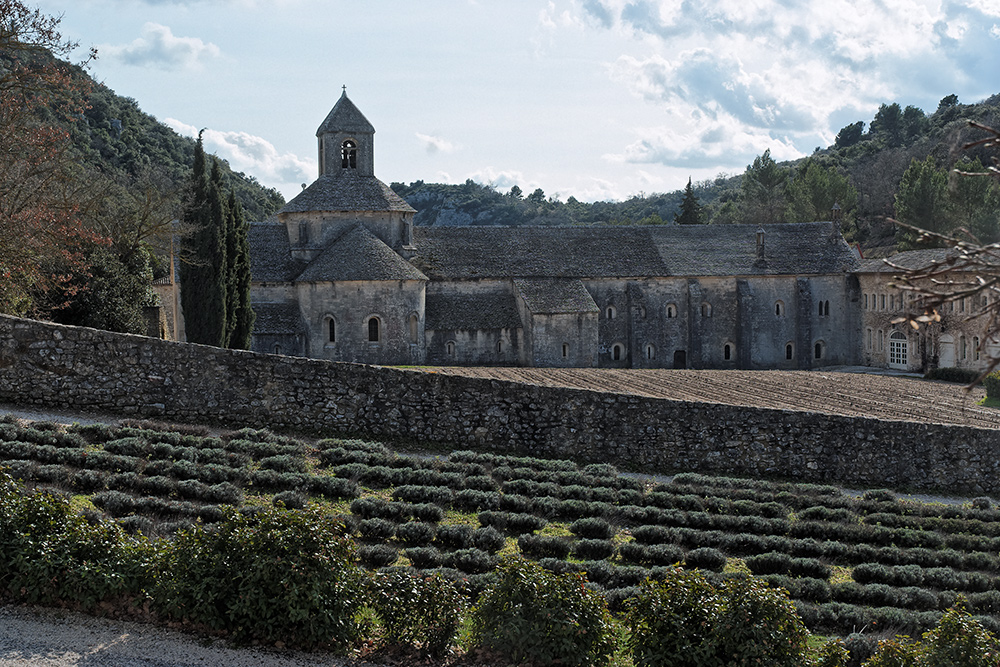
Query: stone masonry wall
{"points": [[70, 367]]}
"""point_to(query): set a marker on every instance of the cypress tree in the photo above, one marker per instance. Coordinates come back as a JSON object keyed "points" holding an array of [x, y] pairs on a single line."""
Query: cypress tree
{"points": [[690, 213], [242, 316], [203, 253]]}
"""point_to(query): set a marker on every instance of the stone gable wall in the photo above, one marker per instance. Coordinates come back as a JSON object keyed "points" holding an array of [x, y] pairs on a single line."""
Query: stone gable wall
{"points": [[69, 367]]}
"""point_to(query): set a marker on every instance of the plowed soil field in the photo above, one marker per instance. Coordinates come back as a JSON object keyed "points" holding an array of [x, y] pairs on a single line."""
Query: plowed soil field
{"points": [[885, 397]]}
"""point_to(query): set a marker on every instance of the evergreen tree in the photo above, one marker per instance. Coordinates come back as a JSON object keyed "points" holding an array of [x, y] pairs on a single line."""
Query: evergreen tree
{"points": [[204, 256], [690, 213], [815, 189], [921, 201], [762, 191], [242, 316]]}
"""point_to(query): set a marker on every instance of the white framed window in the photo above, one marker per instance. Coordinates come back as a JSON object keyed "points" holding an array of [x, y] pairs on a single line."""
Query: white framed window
{"points": [[898, 350]]}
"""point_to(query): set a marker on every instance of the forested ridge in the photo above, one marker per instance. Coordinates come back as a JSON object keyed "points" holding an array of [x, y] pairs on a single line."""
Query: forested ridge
{"points": [[861, 172]]}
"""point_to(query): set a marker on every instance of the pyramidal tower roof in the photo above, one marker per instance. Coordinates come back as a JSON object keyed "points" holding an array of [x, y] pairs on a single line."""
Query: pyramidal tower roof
{"points": [[345, 117]]}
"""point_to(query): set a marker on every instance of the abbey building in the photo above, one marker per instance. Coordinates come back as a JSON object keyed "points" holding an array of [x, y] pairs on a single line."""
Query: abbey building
{"points": [[344, 275]]}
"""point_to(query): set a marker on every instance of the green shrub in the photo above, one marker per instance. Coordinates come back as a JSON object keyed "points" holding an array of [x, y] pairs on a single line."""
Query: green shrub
{"points": [[49, 554], [833, 653], [377, 529], [593, 549], [951, 374], [476, 500], [672, 621], [543, 546], [418, 611], [534, 616], [416, 533], [455, 537], [959, 640], [424, 557], [281, 575], [592, 527], [898, 652], [427, 512], [439, 495], [758, 625], [293, 500], [375, 556], [705, 558], [471, 561], [488, 539]]}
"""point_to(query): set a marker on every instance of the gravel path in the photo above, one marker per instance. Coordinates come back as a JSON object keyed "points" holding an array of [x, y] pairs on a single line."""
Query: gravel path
{"points": [[39, 637]]}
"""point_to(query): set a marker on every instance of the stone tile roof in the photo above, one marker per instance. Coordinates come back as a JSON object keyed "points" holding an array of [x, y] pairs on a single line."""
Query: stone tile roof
{"points": [[271, 254], [911, 259], [345, 190], [546, 296], [359, 255], [345, 117], [489, 310], [629, 252], [277, 318]]}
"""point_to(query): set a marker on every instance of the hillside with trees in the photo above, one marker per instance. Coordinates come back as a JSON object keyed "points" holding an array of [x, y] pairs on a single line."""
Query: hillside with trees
{"points": [[899, 165], [90, 185]]}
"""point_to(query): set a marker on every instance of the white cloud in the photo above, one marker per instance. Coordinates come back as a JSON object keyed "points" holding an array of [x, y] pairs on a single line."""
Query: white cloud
{"points": [[255, 156], [988, 7], [158, 46], [433, 144]]}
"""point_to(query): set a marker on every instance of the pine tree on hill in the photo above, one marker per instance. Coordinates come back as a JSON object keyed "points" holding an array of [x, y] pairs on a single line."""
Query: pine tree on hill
{"points": [[690, 213]]}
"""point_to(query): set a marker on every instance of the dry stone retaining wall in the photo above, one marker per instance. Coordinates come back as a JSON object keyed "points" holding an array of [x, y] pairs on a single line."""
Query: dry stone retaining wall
{"points": [[71, 367]]}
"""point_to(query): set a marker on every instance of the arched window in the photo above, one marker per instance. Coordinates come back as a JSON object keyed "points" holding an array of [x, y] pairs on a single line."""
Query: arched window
{"points": [[671, 311], [565, 350], [449, 348], [866, 302], [963, 348], [617, 352], [881, 301], [331, 330], [975, 348], [374, 330], [349, 155], [277, 349], [611, 312], [826, 309], [819, 350], [868, 340], [789, 350], [706, 309], [499, 347], [881, 340], [414, 322], [727, 352], [650, 352], [898, 350], [820, 309], [779, 308]]}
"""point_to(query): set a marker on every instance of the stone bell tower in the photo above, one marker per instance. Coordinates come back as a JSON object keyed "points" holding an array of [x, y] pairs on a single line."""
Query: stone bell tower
{"points": [[346, 141]]}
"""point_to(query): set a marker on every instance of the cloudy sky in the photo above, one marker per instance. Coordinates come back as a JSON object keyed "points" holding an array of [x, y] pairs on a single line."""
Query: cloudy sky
{"points": [[598, 99]]}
